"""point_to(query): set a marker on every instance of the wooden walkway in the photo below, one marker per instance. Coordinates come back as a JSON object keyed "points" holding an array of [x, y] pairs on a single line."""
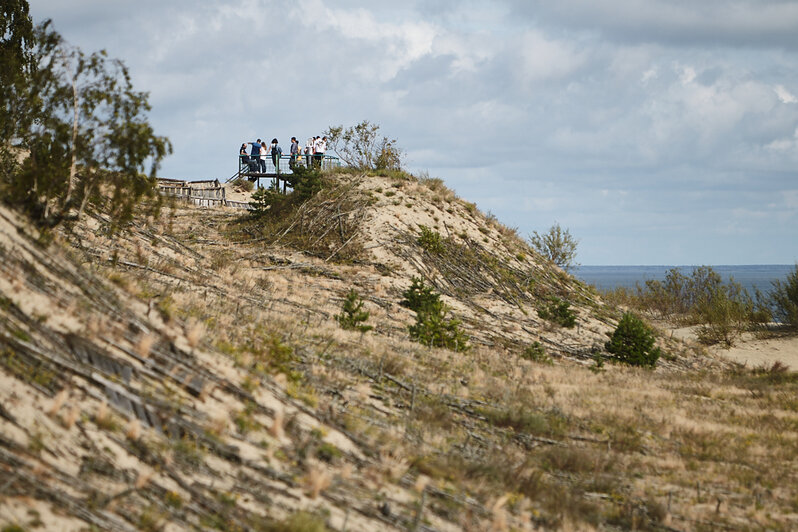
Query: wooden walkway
{"points": [[208, 193]]}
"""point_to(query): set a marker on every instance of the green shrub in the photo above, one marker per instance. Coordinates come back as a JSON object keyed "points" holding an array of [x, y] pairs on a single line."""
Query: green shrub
{"points": [[432, 327], [784, 297], [430, 240], [536, 353], [724, 312], [306, 182], [558, 311], [633, 342], [262, 201], [419, 297], [352, 316]]}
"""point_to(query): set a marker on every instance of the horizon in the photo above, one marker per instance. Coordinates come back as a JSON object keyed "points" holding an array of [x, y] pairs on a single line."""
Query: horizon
{"points": [[668, 135], [677, 265]]}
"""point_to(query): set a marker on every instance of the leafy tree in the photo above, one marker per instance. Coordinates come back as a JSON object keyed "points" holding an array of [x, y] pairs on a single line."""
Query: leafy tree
{"points": [[84, 131], [16, 38], [557, 245], [633, 342], [362, 147], [352, 315], [784, 297], [723, 311]]}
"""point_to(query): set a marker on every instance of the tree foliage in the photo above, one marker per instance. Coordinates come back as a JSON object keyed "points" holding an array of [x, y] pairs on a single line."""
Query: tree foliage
{"points": [[558, 311], [557, 245], [362, 147], [16, 38], [352, 316], [633, 342], [306, 183], [432, 327], [724, 312], [784, 297], [82, 133]]}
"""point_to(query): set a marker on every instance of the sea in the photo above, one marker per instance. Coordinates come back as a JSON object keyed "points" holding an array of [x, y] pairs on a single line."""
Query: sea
{"points": [[751, 277]]}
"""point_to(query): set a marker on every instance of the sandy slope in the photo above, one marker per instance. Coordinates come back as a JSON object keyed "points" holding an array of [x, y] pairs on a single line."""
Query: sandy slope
{"points": [[749, 349], [179, 377], [753, 352]]}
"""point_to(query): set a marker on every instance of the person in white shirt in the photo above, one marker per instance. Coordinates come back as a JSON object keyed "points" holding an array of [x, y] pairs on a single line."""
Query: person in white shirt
{"points": [[309, 152], [319, 147], [264, 151]]}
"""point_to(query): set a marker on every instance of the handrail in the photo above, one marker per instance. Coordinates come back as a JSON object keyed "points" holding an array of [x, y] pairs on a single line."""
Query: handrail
{"points": [[283, 166]]}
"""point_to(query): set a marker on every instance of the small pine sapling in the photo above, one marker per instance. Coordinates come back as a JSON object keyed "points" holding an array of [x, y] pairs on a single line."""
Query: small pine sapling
{"points": [[432, 327], [352, 316], [633, 342]]}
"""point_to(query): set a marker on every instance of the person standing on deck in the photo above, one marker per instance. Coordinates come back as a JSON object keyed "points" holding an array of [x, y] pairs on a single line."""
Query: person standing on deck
{"points": [[294, 152], [309, 151], [264, 151], [277, 152], [318, 151], [255, 163]]}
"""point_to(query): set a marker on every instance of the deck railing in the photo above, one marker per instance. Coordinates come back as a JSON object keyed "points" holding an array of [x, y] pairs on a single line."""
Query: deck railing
{"points": [[252, 166]]}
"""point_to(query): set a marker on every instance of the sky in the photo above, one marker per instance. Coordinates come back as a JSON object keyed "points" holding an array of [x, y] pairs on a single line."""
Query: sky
{"points": [[656, 131]]}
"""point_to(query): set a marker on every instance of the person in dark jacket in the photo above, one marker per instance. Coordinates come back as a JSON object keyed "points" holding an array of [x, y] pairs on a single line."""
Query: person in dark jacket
{"points": [[294, 152], [277, 152]]}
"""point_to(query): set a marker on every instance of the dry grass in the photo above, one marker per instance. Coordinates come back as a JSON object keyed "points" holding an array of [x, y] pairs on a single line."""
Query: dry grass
{"points": [[317, 480]]}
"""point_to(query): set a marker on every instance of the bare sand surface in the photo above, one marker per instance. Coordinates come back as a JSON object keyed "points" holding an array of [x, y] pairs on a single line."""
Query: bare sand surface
{"points": [[750, 349], [754, 352]]}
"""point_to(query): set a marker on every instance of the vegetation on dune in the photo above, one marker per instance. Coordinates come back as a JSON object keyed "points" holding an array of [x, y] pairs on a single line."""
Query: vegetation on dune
{"points": [[432, 327], [557, 245], [362, 147], [239, 404], [75, 133], [499, 431], [632, 342], [784, 297], [721, 310], [352, 315]]}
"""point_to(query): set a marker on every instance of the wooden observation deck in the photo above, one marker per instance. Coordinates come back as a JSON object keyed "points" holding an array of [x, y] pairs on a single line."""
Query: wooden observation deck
{"points": [[248, 167]]}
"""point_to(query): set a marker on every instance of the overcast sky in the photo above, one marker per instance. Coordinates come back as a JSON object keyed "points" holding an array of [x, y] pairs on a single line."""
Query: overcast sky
{"points": [[658, 131]]}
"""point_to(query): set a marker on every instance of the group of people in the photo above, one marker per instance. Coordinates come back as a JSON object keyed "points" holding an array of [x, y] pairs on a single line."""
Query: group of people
{"points": [[314, 150]]}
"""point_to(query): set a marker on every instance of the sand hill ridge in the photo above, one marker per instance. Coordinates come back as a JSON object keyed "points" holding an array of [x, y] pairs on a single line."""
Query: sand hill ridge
{"points": [[189, 373]]}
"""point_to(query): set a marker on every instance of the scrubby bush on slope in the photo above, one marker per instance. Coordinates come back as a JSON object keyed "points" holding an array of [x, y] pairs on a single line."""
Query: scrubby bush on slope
{"points": [[633, 342], [785, 299]]}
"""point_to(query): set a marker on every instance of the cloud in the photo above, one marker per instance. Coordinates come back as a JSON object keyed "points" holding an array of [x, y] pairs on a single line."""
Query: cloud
{"points": [[545, 59], [749, 23], [627, 120], [784, 95], [787, 146]]}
